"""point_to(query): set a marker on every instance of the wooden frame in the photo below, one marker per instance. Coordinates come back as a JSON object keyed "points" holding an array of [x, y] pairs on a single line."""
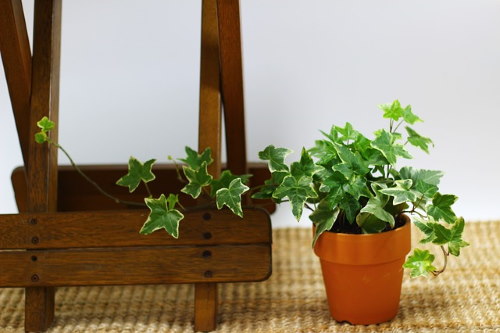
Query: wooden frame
{"points": [[82, 241]]}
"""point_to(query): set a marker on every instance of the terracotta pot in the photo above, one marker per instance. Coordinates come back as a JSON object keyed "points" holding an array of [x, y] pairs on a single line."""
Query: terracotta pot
{"points": [[363, 273]]}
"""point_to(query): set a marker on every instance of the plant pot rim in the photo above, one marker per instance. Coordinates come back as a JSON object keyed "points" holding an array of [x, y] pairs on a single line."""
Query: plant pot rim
{"points": [[365, 249]]}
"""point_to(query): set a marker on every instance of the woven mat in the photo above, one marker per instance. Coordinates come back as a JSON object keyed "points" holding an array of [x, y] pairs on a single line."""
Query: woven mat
{"points": [[464, 299]]}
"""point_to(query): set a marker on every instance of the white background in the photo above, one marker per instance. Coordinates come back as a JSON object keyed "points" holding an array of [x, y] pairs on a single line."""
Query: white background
{"points": [[129, 82]]}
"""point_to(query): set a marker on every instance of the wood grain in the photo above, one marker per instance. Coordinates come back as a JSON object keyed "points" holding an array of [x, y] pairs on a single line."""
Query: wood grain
{"points": [[139, 265], [232, 84], [42, 159], [121, 228], [16, 56]]}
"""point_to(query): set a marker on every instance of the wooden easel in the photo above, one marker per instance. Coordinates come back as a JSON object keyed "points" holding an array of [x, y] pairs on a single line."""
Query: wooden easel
{"points": [[50, 244]]}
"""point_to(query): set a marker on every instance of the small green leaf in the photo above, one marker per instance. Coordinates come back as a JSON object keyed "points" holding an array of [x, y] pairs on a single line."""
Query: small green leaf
{"points": [[172, 200], [162, 216], [276, 157], [225, 179], [375, 206], [45, 124], [197, 179], [350, 206], [392, 111], [325, 152], [357, 188], [409, 116], [427, 176], [305, 167], [456, 241], [323, 217], [352, 161], [297, 191], [347, 132], [41, 137], [195, 160], [385, 143], [427, 229], [417, 140], [137, 172], [441, 207], [402, 192], [270, 185], [231, 196], [420, 263], [370, 223], [427, 190]]}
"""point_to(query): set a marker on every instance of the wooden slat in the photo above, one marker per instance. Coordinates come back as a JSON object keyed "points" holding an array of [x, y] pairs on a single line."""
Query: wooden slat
{"points": [[75, 194], [121, 228], [232, 84], [152, 265], [42, 159], [16, 56]]}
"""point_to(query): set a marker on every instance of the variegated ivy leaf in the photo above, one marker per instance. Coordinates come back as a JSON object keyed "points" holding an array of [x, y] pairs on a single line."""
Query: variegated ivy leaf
{"points": [[195, 160], [323, 218], [163, 215], [369, 223], [41, 137], [276, 157], [402, 192], [45, 124], [456, 242], [305, 167], [395, 112], [440, 235], [231, 196], [409, 116], [386, 144], [297, 191], [225, 179], [440, 209], [137, 172], [375, 206], [349, 205], [352, 161], [417, 140], [324, 152], [347, 132], [420, 263], [198, 178], [270, 185], [357, 188]]}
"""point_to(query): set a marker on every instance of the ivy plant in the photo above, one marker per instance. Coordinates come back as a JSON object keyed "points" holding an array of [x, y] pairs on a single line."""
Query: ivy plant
{"points": [[348, 182]]}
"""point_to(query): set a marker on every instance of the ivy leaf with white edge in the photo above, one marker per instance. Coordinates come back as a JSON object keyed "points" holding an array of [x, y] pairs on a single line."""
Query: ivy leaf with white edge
{"points": [[417, 140], [385, 143], [392, 111], [163, 215], [276, 157], [41, 137], [441, 207], [195, 160], [409, 116], [45, 124], [420, 263], [225, 179], [137, 172], [402, 192], [297, 191], [456, 242], [369, 223], [347, 132], [353, 161], [323, 218], [270, 185], [427, 229], [305, 167], [375, 206], [231, 196], [197, 180]]}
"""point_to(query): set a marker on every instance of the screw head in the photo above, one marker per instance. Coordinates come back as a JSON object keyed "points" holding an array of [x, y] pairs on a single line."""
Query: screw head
{"points": [[207, 235], [208, 274], [35, 278], [33, 221], [207, 216], [35, 240], [207, 254], [34, 258]]}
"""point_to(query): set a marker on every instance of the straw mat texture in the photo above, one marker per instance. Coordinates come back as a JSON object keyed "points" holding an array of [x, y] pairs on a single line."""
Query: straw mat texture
{"points": [[464, 299]]}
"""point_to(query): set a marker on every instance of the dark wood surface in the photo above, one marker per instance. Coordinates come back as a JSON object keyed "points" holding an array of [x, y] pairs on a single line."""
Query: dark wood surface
{"points": [[16, 56], [42, 159], [136, 265], [121, 228]]}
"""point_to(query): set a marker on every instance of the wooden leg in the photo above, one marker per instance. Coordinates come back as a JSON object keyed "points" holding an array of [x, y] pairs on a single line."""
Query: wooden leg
{"points": [[205, 306], [39, 308]]}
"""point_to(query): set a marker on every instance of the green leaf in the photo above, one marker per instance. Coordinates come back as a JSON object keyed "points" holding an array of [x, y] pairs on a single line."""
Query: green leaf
{"points": [[357, 188], [197, 179], [370, 223], [334, 180], [324, 151], [375, 206], [427, 190], [305, 167], [347, 132], [276, 157], [225, 179], [297, 191], [137, 172], [441, 207], [402, 192], [427, 229], [456, 241], [41, 137], [350, 206], [417, 140], [323, 217], [195, 160], [353, 161], [409, 116], [45, 124], [162, 215], [420, 263], [431, 177], [270, 185], [333, 136], [392, 111], [231, 196], [385, 143]]}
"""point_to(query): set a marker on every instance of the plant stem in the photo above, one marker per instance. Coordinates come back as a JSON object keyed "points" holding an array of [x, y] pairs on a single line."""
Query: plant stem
{"points": [[148, 190], [93, 183], [397, 126], [445, 254]]}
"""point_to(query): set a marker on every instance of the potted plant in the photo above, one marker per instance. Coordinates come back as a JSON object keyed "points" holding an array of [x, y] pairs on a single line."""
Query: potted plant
{"points": [[360, 204]]}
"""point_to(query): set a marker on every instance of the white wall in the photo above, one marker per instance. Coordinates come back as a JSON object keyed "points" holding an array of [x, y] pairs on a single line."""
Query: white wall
{"points": [[129, 81]]}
